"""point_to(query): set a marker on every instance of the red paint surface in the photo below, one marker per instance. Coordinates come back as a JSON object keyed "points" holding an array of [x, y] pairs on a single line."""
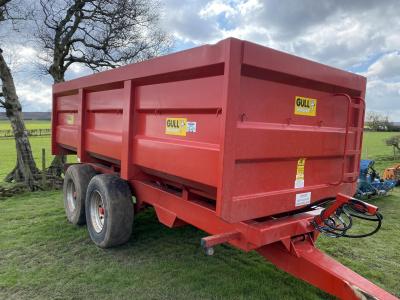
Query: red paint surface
{"points": [[241, 163], [248, 138]]}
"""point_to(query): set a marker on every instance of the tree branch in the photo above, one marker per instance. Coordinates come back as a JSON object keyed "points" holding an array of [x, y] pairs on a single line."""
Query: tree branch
{"points": [[4, 2], [99, 33]]}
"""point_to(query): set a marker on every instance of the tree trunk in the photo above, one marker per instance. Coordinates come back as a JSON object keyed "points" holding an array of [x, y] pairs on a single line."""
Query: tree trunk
{"points": [[56, 168], [25, 169]]}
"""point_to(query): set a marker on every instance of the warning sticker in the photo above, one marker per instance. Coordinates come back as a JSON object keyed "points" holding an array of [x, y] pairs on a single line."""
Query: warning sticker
{"points": [[70, 119], [299, 182], [191, 126], [305, 106], [303, 199], [176, 126]]}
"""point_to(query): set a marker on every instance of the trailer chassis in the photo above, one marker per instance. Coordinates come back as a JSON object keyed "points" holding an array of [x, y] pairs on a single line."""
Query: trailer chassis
{"points": [[288, 242]]}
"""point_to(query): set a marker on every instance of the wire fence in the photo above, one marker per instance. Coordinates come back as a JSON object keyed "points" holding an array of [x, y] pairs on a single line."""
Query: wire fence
{"points": [[31, 132]]}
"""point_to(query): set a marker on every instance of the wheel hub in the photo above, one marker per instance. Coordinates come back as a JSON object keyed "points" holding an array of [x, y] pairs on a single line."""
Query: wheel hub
{"points": [[71, 195], [97, 211]]}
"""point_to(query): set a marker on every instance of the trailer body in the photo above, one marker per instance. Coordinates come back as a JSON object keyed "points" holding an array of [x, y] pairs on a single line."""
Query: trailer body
{"points": [[229, 122], [234, 138]]}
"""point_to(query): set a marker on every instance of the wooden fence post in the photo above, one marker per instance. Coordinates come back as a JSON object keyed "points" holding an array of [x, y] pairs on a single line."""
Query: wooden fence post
{"points": [[43, 166]]}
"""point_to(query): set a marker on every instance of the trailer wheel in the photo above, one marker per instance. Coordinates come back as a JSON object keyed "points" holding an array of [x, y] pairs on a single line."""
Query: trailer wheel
{"points": [[76, 181], [109, 212]]}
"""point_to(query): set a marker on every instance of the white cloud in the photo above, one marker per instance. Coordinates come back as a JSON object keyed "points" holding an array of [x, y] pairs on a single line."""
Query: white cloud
{"points": [[26, 54], [32, 84], [250, 32], [34, 93], [19, 57], [182, 19], [216, 7], [360, 35], [249, 6], [386, 68], [384, 97]]}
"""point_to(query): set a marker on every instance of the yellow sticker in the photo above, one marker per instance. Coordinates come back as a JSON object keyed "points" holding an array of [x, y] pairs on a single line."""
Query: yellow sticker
{"points": [[299, 182], [70, 119], [176, 126], [305, 106]]}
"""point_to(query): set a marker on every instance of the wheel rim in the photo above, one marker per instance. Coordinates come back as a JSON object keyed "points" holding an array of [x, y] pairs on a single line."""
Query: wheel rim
{"points": [[71, 195], [97, 211]]}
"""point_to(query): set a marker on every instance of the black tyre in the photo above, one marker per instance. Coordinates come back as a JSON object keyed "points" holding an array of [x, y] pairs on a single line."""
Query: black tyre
{"points": [[109, 210], [76, 181]]}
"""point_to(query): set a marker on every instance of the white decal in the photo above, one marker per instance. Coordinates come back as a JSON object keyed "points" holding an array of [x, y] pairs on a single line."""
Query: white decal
{"points": [[303, 199]]}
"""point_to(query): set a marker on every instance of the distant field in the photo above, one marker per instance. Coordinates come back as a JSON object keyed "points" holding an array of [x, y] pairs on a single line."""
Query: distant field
{"points": [[7, 147], [8, 154], [374, 147], [30, 124]]}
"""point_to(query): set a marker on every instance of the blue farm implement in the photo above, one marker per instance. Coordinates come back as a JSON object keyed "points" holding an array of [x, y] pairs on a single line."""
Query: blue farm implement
{"points": [[369, 182]]}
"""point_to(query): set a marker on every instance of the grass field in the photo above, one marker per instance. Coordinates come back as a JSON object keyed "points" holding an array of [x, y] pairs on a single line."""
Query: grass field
{"points": [[30, 124], [7, 147], [374, 147], [43, 257]]}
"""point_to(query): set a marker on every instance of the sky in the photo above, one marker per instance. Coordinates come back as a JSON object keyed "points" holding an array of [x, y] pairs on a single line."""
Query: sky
{"points": [[361, 36]]}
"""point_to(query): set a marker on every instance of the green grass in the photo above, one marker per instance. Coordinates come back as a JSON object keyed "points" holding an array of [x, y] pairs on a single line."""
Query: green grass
{"points": [[374, 147], [44, 257], [7, 146], [8, 153], [30, 124]]}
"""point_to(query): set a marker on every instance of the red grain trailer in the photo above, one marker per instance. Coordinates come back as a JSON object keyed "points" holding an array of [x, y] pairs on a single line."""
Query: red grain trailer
{"points": [[239, 140]]}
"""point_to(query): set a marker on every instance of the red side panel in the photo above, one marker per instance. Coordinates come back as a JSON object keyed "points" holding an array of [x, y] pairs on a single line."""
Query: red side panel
{"points": [[67, 120], [104, 123], [247, 146], [271, 136], [194, 156]]}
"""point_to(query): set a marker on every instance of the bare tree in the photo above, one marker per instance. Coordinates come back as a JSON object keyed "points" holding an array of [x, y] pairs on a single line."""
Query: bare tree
{"points": [[394, 141], [3, 10], [25, 169], [377, 122], [98, 34]]}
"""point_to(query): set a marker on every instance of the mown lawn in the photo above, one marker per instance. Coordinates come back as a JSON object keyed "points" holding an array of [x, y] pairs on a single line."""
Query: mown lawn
{"points": [[8, 155], [374, 147], [30, 124], [7, 147], [43, 257]]}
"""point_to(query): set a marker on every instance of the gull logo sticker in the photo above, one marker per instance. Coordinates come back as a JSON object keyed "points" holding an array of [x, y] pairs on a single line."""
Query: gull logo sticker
{"points": [[176, 126], [305, 106]]}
